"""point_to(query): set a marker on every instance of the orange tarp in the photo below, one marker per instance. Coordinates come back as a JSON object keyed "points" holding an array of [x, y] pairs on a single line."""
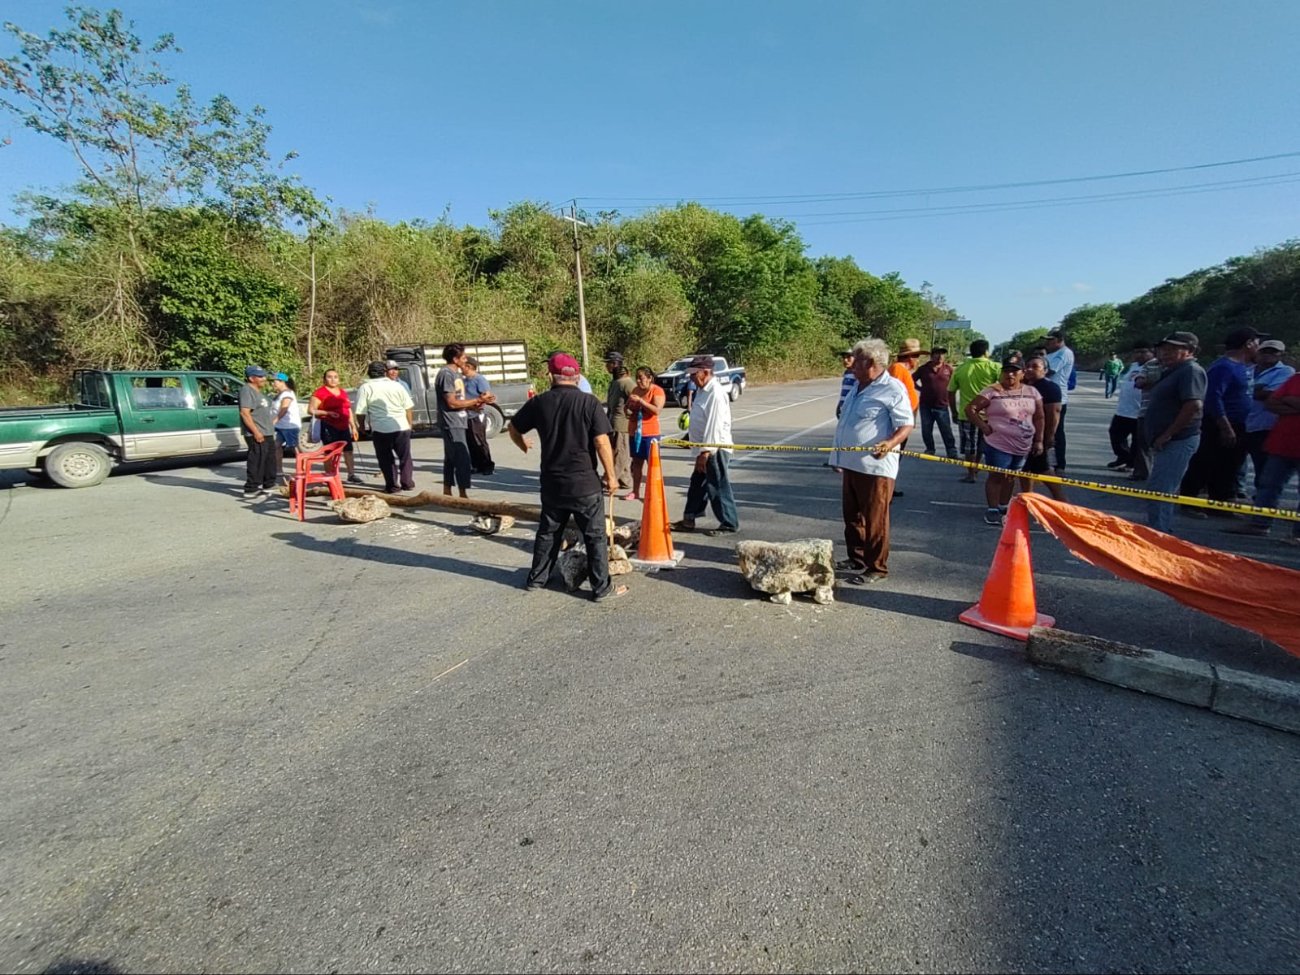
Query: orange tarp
{"points": [[1255, 596]]}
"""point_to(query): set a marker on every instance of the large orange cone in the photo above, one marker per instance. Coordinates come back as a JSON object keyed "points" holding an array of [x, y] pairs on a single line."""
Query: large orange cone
{"points": [[1007, 603], [655, 550]]}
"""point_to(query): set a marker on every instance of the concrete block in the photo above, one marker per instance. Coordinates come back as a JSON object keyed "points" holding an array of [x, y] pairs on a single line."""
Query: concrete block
{"points": [[1138, 669], [1263, 700]]}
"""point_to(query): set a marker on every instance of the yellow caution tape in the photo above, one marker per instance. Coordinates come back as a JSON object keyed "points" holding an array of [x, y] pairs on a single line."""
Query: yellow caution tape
{"points": [[1127, 492]]}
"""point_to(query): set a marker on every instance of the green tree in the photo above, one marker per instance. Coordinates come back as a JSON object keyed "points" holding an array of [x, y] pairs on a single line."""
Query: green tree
{"points": [[1093, 332]]}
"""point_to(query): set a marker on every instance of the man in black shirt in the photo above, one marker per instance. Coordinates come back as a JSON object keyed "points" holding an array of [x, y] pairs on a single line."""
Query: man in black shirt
{"points": [[573, 430]]}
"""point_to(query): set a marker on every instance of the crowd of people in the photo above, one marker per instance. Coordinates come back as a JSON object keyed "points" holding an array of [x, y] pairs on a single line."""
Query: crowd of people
{"points": [[1178, 427]]}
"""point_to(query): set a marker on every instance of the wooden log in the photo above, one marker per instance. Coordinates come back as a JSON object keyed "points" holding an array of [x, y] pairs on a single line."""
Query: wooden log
{"points": [[427, 499]]}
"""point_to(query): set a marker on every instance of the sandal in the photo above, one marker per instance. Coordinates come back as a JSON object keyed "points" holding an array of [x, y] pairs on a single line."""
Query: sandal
{"points": [[683, 526], [866, 579], [630, 496]]}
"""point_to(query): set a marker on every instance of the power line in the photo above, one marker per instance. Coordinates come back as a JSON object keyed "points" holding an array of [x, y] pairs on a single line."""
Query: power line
{"points": [[938, 190], [870, 216]]}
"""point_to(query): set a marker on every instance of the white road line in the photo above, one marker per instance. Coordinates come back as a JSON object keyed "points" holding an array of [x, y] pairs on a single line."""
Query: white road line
{"points": [[741, 458], [750, 416]]}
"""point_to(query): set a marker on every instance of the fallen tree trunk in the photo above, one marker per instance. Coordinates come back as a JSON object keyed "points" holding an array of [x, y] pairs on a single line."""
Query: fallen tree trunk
{"points": [[427, 499]]}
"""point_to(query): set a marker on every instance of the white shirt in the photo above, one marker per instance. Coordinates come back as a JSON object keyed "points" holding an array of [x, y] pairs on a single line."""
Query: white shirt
{"points": [[871, 413], [291, 419], [1061, 362], [384, 403], [710, 417], [1129, 401]]}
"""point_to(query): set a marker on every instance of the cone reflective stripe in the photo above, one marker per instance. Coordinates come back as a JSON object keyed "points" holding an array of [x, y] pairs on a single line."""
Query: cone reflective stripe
{"points": [[1007, 605], [656, 545]]}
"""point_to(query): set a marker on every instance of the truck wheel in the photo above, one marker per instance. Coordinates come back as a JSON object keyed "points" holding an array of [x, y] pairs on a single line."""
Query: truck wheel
{"points": [[496, 421], [77, 465], [735, 392]]}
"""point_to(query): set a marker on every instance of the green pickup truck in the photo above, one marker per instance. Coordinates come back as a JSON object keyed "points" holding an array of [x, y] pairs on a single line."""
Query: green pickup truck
{"points": [[119, 417]]}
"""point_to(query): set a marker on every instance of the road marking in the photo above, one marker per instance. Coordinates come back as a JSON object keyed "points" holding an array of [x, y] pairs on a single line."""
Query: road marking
{"points": [[788, 406], [794, 436]]}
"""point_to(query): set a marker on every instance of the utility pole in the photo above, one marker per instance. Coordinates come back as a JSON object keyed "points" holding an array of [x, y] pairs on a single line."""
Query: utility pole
{"points": [[577, 266]]}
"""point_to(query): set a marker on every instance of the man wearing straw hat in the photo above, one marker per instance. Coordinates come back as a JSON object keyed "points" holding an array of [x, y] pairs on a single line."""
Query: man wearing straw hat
{"points": [[574, 431]]}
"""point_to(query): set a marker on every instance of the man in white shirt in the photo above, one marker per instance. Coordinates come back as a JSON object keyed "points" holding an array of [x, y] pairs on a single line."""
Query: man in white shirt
{"points": [[710, 424], [1128, 407], [878, 414], [1060, 359], [388, 408]]}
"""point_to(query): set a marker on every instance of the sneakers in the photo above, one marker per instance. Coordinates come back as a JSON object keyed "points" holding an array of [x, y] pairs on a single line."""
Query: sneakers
{"points": [[993, 516], [251, 495], [848, 565], [1115, 465], [355, 479]]}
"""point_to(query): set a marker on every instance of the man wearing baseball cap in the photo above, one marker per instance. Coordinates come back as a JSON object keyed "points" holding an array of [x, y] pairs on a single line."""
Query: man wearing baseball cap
{"points": [[710, 480], [1172, 422], [574, 432], [259, 434], [620, 388], [1270, 373], [1222, 450]]}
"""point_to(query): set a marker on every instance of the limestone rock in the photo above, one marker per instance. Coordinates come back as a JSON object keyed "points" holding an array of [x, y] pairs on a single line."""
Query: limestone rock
{"points": [[362, 509], [627, 535], [781, 568], [783, 597], [492, 524]]}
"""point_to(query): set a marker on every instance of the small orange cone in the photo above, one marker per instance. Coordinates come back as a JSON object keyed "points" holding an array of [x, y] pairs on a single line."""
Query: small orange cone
{"points": [[655, 550], [1007, 603]]}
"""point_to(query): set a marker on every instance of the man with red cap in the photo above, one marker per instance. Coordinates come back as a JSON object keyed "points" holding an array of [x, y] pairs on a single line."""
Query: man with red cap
{"points": [[574, 431]]}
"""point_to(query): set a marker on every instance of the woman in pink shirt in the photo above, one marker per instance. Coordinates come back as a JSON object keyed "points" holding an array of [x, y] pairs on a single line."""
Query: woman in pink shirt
{"points": [[1010, 415]]}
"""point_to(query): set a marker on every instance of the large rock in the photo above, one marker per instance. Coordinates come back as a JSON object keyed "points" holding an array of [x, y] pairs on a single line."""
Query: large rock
{"points": [[363, 509], [782, 568], [572, 564]]}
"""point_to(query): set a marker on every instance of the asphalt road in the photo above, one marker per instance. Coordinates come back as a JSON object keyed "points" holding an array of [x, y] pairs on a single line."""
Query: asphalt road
{"points": [[235, 741]]}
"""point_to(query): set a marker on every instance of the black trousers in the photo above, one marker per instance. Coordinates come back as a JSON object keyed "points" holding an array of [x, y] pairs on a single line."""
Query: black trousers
{"points": [[1215, 464], [588, 514], [1122, 430], [1141, 452], [1058, 445], [393, 451], [480, 454], [455, 458], [262, 468]]}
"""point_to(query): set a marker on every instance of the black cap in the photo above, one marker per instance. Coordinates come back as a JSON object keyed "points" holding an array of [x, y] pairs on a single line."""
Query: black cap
{"points": [[613, 356], [1238, 338], [702, 362], [1013, 362], [1185, 340], [1055, 333], [939, 349]]}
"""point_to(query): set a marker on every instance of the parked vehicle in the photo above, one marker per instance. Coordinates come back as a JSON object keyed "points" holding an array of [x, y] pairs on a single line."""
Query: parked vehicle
{"points": [[120, 417], [674, 379], [505, 364]]}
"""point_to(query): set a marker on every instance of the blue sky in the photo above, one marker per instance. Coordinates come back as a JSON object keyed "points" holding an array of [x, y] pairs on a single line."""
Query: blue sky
{"points": [[414, 108]]}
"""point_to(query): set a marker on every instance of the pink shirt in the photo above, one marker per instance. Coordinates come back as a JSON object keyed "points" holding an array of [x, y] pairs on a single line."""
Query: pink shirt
{"points": [[1011, 415]]}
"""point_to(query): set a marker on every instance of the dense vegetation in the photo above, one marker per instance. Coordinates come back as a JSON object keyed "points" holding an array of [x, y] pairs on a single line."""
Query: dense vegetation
{"points": [[1261, 291]]}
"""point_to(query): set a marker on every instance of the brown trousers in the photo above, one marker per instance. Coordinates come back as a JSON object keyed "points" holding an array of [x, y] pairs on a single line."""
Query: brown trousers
{"points": [[866, 519]]}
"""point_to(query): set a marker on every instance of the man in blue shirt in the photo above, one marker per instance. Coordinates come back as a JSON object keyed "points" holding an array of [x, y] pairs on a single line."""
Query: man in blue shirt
{"points": [[1223, 426], [1270, 373], [1060, 360]]}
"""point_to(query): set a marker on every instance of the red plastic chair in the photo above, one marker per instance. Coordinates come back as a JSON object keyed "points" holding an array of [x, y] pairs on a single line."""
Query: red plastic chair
{"points": [[328, 458]]}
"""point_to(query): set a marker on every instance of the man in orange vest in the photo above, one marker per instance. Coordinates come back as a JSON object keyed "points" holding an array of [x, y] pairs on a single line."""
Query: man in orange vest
{"points": [[905, 363]]}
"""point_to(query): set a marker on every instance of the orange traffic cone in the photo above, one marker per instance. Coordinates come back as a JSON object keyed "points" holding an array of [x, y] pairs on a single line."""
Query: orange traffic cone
{"points": [[655, 550], [1007, 603]]}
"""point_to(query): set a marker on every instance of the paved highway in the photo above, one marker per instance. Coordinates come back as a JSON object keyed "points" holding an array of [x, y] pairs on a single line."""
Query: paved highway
{"points": [[239, 742]]}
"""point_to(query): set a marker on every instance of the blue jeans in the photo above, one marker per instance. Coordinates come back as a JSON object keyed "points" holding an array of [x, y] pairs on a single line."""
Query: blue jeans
{"points": [[1167, 469], [1272, 482], [1111, 383], [713, 488], [931, 415]]}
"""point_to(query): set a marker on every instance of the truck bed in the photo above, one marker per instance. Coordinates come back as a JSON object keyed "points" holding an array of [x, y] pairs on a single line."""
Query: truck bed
{"points": [[48, 412]]}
